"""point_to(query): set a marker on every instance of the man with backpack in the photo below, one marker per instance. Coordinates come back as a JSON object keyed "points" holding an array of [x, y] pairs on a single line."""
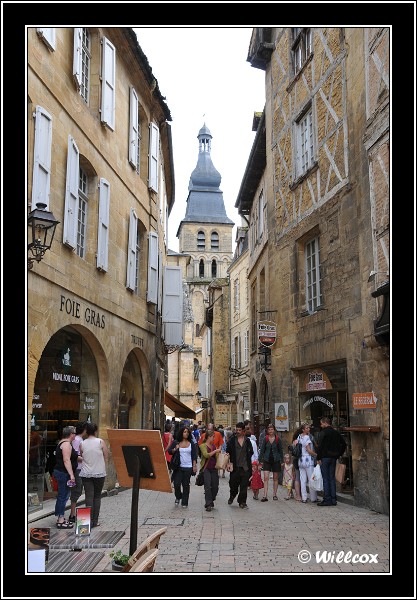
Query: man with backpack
{"points": [[331, 445]]}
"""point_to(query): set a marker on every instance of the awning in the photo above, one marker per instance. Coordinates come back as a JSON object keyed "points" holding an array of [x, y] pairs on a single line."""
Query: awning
{"points": [[179, 409]]}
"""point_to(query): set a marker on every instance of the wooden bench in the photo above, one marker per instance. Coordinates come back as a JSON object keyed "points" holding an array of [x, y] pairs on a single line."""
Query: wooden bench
{"points": [[151, 543]]}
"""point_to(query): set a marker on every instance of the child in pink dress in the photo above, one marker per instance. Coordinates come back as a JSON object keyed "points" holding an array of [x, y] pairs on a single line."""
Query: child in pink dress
{"points": [[288, 475], [256, 482]]}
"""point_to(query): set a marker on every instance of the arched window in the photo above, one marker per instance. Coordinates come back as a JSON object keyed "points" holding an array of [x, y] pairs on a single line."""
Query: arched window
{"points": [[201, 240], [213, 268], [215, 240], [196, 368], [201, 268]]}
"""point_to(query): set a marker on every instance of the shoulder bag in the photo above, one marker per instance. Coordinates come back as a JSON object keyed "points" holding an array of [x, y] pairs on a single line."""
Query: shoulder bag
{"points": [[297, 449], [199, 480], [176, 460]]}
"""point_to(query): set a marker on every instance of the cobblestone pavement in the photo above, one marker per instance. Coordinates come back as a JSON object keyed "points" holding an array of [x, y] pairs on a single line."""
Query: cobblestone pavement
{"points": [[275, 536]]}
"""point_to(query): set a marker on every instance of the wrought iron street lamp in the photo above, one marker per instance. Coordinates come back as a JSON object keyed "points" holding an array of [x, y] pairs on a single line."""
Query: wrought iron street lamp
{"points": [[41, 231]]}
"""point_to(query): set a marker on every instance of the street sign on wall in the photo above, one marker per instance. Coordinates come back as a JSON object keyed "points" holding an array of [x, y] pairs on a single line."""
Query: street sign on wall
{"points": [[267, 333], [364, 400]]}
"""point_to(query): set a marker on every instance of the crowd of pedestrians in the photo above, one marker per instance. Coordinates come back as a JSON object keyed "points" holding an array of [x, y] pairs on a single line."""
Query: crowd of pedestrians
{"points": [[81, 459], [252, 463]]}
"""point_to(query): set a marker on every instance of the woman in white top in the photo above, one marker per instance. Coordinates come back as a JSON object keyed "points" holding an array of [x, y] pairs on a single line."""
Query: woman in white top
{"points": [[306, 463], [186, 466], [93, 470]]}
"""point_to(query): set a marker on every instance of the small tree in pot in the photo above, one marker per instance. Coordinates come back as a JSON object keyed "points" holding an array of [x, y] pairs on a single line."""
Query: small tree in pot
{"points": [[119, 560]]}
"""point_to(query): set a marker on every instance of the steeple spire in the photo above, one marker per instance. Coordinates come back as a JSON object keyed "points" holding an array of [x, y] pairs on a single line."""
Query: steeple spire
{"points": [[204, 176], [205, 199]]}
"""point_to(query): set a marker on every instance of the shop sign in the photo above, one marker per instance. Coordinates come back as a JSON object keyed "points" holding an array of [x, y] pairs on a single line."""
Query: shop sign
{"points": [[75, 309], [66, 358], [138, 341], [221, 413], [281, 416], [267, 333], [89, 403], [316, 379], [364, 400], [66, 377], [318, 399]]}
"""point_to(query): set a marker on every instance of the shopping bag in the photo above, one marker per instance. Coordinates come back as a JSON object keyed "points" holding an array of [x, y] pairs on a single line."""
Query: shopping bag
{"points": [[221, 460], [340, 472], [316, 481]]}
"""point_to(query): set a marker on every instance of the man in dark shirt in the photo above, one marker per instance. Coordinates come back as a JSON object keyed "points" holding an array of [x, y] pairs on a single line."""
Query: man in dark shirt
{"points": [[331, 445], [239, 448]]}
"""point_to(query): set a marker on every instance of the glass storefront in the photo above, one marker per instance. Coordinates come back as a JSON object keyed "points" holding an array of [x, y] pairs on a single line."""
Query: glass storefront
{"points": [[66, 391]]}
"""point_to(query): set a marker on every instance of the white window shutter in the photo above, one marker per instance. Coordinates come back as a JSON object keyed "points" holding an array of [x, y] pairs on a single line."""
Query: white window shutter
{"points": [[108, 85], [233, 357], [103, 225], [41, 181], [133, 127], [152, 294], [76, 63], [159, 283], [153, 156], [48, 35], [172, 305], [131, 251], [71, 194]]}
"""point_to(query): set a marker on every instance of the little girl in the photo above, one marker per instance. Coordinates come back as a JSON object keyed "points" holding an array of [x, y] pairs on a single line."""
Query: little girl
{"points": [[256, 482], [288, 475]]}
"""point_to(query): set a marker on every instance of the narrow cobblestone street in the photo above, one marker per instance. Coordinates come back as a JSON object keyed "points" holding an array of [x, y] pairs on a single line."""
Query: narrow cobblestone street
{"points": [[270, 537]]}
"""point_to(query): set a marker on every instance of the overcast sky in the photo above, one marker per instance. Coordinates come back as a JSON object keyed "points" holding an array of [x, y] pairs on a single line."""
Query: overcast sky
{"points": [[205, 78]]}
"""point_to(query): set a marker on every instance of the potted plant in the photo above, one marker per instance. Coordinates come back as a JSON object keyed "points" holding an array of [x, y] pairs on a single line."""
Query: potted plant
{"points": [[119, 560]]}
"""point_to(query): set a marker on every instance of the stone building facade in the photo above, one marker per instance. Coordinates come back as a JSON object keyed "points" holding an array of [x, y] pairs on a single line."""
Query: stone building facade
{"points": [[327, 215], [100, 159], [238, 394]]}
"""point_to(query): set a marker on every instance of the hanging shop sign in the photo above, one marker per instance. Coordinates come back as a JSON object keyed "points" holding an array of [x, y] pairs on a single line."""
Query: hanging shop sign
{"points": [[267, 333], [364, 400], [281, 416]]}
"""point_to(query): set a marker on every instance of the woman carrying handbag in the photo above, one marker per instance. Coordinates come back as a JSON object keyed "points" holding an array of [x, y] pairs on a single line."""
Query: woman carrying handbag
{"points": [[209, 454], [183, 463]]}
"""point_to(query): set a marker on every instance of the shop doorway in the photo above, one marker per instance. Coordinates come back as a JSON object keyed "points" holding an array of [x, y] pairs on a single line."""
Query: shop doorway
{"points": [[131, 406], [334, 405], [66, 391]]}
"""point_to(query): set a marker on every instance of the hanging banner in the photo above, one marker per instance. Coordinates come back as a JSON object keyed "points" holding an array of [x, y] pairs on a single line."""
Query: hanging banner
{"points": [[267, 333], [281, 416]]}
